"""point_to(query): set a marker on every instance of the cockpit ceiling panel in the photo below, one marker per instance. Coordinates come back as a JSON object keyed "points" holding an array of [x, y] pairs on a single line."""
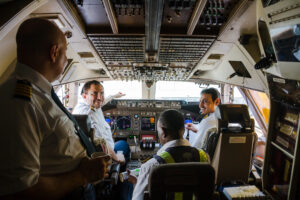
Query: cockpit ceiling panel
{"points": [[124, 56], [184, 49], [176, 16], [119, 49], [93, 14], [146, 71], [130, 15], [214, 15], [153, 39]]}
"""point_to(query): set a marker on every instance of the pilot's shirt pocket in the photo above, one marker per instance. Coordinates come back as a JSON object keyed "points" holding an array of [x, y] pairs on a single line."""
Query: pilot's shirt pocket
{"points": [[67, 140], [61, 149]]}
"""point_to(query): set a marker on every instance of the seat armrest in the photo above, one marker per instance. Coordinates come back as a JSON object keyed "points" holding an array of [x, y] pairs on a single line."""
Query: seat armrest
{"points": [[114, 173]]}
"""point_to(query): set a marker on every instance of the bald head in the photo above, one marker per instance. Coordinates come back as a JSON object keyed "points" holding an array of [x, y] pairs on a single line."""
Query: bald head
{"points": [[42, 46], [36, 36]]}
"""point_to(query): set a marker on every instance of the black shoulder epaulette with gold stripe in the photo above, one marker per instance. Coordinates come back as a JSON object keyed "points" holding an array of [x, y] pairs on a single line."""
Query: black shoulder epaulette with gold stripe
{"points": [[92, 108], [23, 90]]}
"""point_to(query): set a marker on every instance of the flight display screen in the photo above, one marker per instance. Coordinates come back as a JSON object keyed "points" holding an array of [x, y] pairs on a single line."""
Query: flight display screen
{"points": [[187, 120], [148, 123], [123, 122], [110, 120]]}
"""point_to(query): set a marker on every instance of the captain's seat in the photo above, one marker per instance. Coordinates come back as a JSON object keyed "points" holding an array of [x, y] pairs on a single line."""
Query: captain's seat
{"points": [[85, 124]]}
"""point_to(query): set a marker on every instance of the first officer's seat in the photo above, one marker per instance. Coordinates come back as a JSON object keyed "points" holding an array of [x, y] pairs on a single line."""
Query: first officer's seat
{"points": [[231, 146]]}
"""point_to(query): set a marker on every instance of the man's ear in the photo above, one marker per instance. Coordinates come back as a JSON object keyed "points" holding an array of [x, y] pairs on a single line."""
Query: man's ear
{"points": [[84, 95], [164, 133], [53, 52], [217, 101]]}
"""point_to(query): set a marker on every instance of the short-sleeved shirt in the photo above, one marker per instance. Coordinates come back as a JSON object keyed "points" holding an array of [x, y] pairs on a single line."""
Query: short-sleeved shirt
{"points": [[36, 137], [101, 127], [197, 139]]}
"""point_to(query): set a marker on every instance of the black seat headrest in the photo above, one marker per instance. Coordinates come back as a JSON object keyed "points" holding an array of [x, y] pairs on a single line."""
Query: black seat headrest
{"points": [[84, 123]]}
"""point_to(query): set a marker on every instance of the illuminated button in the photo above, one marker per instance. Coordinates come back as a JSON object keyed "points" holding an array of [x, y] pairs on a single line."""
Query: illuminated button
{"points": [[152, 120]]}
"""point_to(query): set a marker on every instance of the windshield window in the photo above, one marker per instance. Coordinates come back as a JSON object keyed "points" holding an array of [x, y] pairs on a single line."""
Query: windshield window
{"points": [[132, 89], [175, 90], [165, 90]]}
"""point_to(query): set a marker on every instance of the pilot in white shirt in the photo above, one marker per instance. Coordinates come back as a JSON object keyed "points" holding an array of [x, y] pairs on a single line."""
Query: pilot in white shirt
{"points": [[35, 129], [210, 99], [101, 127], [93, 98], [198, 139], [41, 155]]}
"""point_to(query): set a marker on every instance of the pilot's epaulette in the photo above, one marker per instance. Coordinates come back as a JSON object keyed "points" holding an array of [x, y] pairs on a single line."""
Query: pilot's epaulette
{"points": [[92, 108], [205, 116], [23, 90]]}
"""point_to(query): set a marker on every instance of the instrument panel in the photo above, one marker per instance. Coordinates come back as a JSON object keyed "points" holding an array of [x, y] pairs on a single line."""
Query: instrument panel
{"points": [[139, 117], [136, 122], [149, 104]]}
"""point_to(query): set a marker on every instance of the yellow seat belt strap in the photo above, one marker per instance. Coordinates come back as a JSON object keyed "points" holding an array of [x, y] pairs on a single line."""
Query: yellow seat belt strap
{"points": [[167, 157], [178, 196], [203, 156]]}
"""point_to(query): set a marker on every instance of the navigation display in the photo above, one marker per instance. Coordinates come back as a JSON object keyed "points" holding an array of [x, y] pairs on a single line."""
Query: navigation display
{"points": [[187, 120], [123, 123], [148, 123], [110, 120]]}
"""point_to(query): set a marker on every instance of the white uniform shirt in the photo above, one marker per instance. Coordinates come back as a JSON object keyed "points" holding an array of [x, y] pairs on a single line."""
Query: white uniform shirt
{"points": [[197, 139], [36, 137], [142, 181], [101, 127]]}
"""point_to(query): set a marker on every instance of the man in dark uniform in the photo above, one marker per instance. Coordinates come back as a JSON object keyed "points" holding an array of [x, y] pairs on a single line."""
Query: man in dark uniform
{"points": [[41, 156]]}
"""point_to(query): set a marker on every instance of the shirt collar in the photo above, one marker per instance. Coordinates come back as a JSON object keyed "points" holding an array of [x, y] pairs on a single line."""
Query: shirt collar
{"points": [[211, 115], [174, 143], [25, 72], [84, 103]]}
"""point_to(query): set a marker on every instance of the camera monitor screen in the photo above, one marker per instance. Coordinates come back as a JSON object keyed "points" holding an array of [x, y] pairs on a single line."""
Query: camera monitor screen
{"points": [[286, 41], [148, 123], [123, 123]]}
